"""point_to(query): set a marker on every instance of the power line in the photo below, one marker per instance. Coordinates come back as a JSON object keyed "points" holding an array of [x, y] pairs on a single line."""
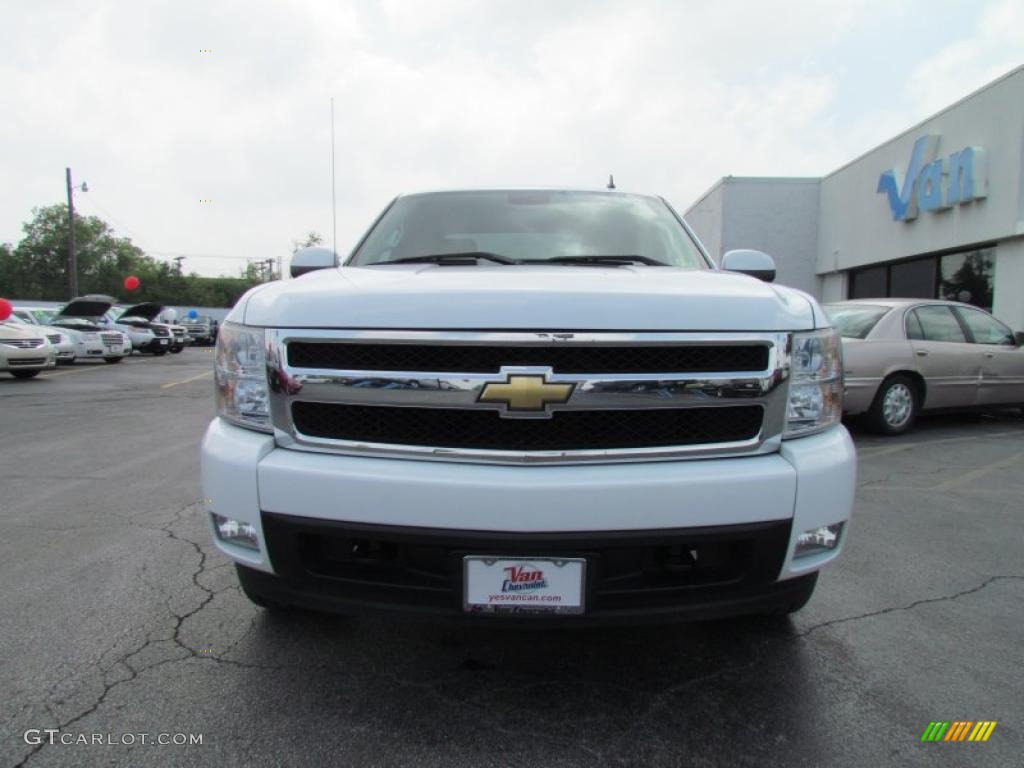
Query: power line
{"points": [[184, 254], [150, 251]]}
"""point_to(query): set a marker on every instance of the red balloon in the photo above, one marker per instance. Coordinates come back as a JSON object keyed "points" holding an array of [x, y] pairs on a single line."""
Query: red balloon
{"points": [[131, 283], [5, 309]]}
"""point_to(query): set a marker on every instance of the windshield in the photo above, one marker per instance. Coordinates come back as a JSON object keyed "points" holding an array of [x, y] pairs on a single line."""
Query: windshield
{"points": [[529, 226], [36, 316], [21, 318], [855, 321]]}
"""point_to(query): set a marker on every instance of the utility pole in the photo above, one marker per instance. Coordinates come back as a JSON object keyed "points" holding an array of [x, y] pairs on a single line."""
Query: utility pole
{"points": [[72, 256]]}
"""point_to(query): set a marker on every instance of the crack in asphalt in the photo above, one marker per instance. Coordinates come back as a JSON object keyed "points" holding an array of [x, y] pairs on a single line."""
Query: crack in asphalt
{"points": [[126, 657], [925, 601], [129, 672]]}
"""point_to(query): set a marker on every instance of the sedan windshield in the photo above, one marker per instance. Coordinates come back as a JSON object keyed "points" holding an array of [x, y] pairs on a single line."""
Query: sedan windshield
{"points": [[855, 321], [530, 227]]}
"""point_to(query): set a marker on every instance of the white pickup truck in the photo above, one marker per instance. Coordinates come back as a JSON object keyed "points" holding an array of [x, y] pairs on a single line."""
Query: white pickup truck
{"points": [[529, 406]]}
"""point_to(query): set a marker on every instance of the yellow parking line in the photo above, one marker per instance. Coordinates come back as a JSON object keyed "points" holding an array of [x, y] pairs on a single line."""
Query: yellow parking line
{"points": [[974, 474], [869, 453], [186, 381], [76, 370]]}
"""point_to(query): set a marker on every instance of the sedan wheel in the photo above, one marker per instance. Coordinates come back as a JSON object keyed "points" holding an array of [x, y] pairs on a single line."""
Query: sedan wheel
{"points": [[895, 407]]}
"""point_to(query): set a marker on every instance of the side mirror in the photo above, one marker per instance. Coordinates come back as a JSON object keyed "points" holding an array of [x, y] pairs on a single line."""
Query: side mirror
{"points": [[754, 263], [1019, 336], [311, 259]]}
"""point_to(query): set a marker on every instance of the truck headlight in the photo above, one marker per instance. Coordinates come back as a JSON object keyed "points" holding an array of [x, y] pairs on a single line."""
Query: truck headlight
{"points": [[815, 383], [241, 374]]}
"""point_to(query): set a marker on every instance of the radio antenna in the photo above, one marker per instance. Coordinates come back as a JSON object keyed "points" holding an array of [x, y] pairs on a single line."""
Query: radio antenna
{"points": [[611, 181], [334, 194]]}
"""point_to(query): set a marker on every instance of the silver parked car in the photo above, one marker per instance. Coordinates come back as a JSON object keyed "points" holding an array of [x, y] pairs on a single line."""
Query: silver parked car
{"points": [[902, 356]]}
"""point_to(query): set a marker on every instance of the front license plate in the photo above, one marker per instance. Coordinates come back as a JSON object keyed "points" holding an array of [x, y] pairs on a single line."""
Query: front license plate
{"points": [[163, 341], [523, 584]]}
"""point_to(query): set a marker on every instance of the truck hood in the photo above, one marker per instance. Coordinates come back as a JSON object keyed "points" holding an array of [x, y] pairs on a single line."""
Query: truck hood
{"points": [[528, 298]]}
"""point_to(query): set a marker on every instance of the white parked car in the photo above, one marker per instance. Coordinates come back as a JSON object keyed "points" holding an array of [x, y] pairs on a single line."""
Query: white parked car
{"points": [[537, 405], [137, 322], [59, 338], [24, 350], [81, 319]]}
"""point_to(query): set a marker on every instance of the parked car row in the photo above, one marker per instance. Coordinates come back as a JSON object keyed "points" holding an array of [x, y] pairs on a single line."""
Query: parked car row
{"points": [[89, 327]]}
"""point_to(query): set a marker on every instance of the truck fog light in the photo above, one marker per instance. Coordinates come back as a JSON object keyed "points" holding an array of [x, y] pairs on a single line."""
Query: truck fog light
{"points": [[818, 540], [235, 532]]}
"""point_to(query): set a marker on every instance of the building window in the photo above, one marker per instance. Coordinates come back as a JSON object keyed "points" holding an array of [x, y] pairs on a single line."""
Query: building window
{"points": [[870, 283], [966, 276], [913, 279]]}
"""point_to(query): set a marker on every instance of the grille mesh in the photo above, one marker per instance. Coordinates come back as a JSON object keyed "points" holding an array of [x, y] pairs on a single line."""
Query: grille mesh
{"points": [[23, 343], [562, 358], [566, 430]]}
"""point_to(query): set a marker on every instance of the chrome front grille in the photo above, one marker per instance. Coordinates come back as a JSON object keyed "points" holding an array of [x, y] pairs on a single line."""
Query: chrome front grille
{"points": [[23, 343], [561, 358], [111, 338], [713, 394], [160, 331]]}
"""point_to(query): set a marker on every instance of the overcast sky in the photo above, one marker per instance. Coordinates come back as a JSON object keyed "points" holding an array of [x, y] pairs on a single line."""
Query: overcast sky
{"points": [[669, 96]]}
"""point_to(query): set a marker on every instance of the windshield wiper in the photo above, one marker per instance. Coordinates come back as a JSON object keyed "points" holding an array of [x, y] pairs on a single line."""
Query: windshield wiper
{"points": [[465, 257], [605, 259]]}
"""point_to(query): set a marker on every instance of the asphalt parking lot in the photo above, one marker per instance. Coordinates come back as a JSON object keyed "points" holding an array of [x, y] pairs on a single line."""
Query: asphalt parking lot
{"points": [[118, 617]]}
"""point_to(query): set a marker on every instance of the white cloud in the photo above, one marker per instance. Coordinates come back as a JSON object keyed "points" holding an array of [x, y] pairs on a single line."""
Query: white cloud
{"points": [[667, 95], [994, 46]]}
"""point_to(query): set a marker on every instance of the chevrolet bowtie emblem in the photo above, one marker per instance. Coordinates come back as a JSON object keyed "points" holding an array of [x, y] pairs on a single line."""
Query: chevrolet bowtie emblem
{"points": [[526, 392]]}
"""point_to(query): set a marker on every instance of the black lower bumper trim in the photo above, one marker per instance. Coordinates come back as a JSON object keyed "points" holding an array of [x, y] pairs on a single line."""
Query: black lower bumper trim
{"points": [[777, 598], [689, 573]]}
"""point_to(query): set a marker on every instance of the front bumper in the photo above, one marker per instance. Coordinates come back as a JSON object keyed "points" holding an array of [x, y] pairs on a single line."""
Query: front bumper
{"points": [[531, 509], [36, 359], [156, 344], [85, 350]]}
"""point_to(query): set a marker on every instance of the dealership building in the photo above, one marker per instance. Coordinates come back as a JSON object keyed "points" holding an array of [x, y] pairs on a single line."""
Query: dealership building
{"points": [[937, 211]]}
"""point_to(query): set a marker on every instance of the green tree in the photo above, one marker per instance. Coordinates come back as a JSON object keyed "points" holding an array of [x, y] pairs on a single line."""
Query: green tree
{"points": [[37, 268], [312, 238]]}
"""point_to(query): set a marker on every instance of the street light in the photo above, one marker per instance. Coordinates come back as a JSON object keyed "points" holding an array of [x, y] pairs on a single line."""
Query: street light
{"points": [[72, 256]]}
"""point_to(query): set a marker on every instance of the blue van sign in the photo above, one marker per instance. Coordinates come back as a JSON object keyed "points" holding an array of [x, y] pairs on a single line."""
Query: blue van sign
{"points": [[935, 184]]}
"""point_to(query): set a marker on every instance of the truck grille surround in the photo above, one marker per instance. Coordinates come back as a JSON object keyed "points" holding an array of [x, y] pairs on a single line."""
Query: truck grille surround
{"points": [[528, 397]]}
